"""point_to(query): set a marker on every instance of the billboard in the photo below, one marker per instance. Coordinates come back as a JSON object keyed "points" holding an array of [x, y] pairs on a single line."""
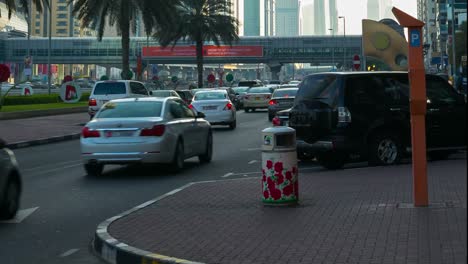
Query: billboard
{"points": [[208, 51]]}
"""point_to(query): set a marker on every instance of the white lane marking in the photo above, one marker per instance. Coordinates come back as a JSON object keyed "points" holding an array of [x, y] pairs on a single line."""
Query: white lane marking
{"points": [[57, 169], [54, 164], [253, 161], [245, 175], [20, 216], [227, 175], [69, 252]]}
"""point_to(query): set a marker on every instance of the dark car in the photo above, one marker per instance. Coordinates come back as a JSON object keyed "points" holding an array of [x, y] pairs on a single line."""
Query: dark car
{"points": [[281, 99], [366, 116], [10, 183], [281, 118], [186, 95]]}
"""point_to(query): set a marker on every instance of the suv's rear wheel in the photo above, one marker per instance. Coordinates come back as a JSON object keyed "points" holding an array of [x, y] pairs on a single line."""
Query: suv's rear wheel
{"points": [[384, 149], [10, 201], [331, 160]]}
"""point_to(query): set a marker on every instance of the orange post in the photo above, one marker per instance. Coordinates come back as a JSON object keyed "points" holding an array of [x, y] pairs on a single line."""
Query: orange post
{"points": [[417, 82]]}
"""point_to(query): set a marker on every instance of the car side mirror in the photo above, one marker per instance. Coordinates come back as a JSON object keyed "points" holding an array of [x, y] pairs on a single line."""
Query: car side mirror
{"points": [[2, 143], [200, 115]]}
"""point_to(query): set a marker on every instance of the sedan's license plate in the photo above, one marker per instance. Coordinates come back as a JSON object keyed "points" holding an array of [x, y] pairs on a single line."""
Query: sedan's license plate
{"points": [[210, 107], [119, 133], [257, 98], [286, 123]]}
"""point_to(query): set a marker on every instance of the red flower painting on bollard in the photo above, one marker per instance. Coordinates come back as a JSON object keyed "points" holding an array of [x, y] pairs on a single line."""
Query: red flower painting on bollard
{"points": [[279, 182]]}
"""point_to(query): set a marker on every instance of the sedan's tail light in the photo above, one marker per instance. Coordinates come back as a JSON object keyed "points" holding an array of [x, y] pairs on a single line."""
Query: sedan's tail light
{"points": [[228, 106], [88, 133], [92, 102], [276, 121], [155, 131], [190, 106], [273, 102]]}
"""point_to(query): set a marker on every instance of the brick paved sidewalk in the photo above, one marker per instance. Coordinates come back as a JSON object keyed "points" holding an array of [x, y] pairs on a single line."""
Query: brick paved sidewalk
{"points": [[36, 130], [359, 215]]}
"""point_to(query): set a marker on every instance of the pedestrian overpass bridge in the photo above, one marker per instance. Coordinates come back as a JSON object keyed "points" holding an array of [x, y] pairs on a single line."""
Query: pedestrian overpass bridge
{"points": [[273, 51]]}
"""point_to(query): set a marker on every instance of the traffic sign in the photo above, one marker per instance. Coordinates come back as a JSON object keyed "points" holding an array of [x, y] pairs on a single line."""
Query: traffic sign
{"points": [[415, 36], [229, 77], [356, 62], [211, 78]]}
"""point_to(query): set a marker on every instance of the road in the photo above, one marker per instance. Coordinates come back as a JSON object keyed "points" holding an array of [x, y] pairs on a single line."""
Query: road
{"points": [[70, 204]]}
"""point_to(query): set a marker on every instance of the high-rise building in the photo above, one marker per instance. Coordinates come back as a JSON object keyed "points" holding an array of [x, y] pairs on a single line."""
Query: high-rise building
{"points": [[427, 14], [237, 8], [385, 9], [320, 25], [287, 17], [333, 15], [307, 20], [64, 24], [17, 22], [270, 17], [373, 10], [252, 18]]}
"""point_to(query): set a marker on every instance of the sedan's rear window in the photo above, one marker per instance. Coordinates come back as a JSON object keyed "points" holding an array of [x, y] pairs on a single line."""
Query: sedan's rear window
{"points": [[130, 109], [259, 90], [210, 96], [285, 93], [110, 88]]}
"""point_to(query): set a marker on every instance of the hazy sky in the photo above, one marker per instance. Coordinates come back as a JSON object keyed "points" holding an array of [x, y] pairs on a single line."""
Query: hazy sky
{"points": [[356, 10]]}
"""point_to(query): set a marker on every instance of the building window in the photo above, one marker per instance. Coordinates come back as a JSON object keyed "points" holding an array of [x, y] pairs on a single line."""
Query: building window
{"points": [[62, 8], [38, 31], [61, 23], [38, 24], [62, 16], [61, 1], [61, 31], [38, 16]]}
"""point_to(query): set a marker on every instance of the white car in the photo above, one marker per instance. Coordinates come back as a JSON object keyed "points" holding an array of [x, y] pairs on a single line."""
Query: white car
{"points": [[216, 106], [145, 130], [257, 98], [104, 91], [10, 183], [164, 93]]}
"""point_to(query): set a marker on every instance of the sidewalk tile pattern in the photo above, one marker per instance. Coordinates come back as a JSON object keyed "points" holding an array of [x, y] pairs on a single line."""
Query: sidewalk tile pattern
{"points": [[347, 216]]}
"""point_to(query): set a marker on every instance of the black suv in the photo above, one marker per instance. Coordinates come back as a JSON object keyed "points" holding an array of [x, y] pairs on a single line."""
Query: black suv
{"points": [[346, 116]]}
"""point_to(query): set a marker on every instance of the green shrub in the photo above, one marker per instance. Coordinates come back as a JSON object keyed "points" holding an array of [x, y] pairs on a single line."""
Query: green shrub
{"points": [[38, 99]]}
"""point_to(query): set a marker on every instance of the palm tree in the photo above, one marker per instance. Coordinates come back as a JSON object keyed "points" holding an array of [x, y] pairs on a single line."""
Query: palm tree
{"points": [[199, 21], [12, 5], [123, 14]]}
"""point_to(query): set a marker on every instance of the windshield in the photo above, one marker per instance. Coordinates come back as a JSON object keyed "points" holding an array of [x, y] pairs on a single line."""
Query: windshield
{"points": [[240, 89], [285, 93], [210, 96], [110, 88], [130, 109]]}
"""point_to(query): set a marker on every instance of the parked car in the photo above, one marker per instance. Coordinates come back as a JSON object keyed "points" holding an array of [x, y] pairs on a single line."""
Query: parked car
{"points": [[10, 183], [281, 99], [257, 98], [104, 91], [145, 130], [240, 92], [186, 95], [217, 107], [251, 83], [165, 93], [366, 115]]}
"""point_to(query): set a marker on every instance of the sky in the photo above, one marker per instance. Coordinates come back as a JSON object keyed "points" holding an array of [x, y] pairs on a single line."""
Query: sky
{"points": [[356, 10]]}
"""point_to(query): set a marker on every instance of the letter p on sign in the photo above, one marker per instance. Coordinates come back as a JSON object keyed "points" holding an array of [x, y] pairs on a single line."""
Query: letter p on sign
{"points": [[415, 36]]}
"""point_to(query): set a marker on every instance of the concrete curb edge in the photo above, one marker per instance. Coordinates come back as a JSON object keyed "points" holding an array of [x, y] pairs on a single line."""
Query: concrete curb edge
{"points": [[36, 142], [39, 113], [113, 251]]}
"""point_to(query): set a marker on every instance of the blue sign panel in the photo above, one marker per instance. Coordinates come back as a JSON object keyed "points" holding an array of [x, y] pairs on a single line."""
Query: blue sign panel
{"points": [[415, 36]]}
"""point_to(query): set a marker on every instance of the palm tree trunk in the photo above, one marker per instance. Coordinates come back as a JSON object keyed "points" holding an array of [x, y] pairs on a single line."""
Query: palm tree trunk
{"points": [[125, 24], [200, 62]]}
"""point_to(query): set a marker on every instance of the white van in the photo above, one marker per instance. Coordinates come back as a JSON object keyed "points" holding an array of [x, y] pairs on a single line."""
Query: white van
{"points": [[104, 91]]}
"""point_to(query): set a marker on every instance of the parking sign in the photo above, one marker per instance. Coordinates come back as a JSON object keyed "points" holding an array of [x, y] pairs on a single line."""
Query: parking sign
{"points": [[415, 36]]}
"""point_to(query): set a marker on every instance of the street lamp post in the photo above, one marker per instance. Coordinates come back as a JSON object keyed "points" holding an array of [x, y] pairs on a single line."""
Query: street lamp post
{"points": [[344, 39], [454, 55], [333, 48], [49, 69]]}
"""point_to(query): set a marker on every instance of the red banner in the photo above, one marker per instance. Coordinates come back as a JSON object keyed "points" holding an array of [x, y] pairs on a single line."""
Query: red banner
{"points": [[208, 51]]}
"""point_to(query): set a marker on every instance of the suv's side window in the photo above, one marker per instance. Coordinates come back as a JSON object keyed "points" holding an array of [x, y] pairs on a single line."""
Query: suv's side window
{"points": [[396, 89], [439, 91], [138, 88], [364, 90]]}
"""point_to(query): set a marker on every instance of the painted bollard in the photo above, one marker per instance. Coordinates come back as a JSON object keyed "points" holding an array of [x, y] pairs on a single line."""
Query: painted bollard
{"points": [[280, 184]]}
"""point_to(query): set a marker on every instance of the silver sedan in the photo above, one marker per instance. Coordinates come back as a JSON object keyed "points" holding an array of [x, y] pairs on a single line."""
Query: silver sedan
{"points": [[216, 106], [145, 130]]}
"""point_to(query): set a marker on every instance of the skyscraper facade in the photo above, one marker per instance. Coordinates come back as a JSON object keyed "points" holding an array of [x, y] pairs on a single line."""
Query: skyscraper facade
{"points": [[385, 9], [252, 18], [373, 10], [63, 22], [320, 26], [287, 17], [333, 15], [307, 20]]}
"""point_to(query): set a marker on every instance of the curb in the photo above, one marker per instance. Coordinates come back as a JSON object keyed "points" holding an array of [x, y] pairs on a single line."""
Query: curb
{"points": [[36, 142], [113, 251], [38, 113]]}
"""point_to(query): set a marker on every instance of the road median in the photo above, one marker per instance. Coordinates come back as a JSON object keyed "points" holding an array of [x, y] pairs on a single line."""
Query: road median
{"points": [[43, 112]]}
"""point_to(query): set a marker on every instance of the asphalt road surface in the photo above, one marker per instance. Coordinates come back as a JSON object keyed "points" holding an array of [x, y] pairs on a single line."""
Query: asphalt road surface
{"points": [[62, 206]]}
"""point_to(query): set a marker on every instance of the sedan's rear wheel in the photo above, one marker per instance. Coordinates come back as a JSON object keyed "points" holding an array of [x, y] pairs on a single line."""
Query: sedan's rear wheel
{"points": [[206, 157], [179, 157], [94, 169], [233, 125], [11, 200]]}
